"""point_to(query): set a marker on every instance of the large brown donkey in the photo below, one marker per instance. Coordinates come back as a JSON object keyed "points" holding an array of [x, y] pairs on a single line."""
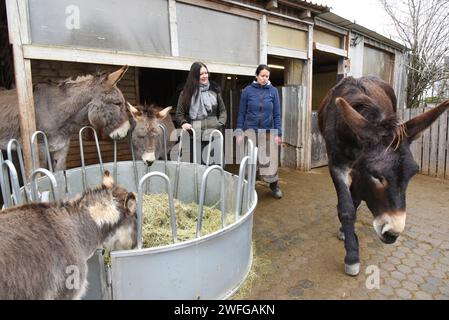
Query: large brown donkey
{"points": [[44, 247], [369, 156], [62, 109]]}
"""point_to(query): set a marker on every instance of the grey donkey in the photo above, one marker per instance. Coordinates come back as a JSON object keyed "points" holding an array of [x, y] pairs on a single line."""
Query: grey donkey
{"points": [[147, 137], [44, 247], [62, 109]]}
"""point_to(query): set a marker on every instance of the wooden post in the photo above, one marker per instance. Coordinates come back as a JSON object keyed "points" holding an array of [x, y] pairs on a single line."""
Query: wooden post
{"points": [[263, 40], [173, 28], [18, 35], [307, 131]]}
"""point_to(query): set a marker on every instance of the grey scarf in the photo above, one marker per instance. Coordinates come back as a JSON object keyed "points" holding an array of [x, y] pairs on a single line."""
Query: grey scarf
{"points": [[202, 105]]}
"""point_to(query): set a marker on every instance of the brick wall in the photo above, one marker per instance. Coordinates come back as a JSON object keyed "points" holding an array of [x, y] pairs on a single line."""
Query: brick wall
{"points": [[43, 70]]}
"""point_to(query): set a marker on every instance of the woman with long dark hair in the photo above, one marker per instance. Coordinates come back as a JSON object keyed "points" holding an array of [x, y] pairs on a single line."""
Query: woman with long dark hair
{"points": [[200, 104]]}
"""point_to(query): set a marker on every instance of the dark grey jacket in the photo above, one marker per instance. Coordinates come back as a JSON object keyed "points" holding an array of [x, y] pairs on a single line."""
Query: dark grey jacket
{"points": [[216, 118]]}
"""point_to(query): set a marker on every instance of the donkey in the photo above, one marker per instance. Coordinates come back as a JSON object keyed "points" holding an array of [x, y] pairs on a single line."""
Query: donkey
{"points": [[369, 157], [62, 109], [147, 136], [44, 247]]}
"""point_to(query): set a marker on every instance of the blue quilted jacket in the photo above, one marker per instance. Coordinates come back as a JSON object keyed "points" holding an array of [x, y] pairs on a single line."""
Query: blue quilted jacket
{"points": [[259, 108]]}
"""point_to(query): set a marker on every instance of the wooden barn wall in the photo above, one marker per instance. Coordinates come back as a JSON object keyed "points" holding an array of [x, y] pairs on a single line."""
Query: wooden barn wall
{"points": [[293, 104], [43, 70]]}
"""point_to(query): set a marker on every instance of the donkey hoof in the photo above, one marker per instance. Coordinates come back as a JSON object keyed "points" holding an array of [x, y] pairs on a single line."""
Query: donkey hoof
{"points": [[352, 269], [341, 235]]}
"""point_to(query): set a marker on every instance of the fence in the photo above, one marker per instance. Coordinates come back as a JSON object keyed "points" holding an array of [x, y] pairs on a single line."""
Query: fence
{"points": [[430, 150]]}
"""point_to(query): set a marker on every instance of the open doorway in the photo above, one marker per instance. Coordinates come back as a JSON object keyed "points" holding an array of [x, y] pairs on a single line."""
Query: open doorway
{"points": [[6, 58], [325, 75]]}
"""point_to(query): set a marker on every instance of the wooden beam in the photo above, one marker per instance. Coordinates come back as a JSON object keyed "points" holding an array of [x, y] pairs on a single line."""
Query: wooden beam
{"points": [[98, 56], [223, 6], [307, 153], [330, 49], [263, 40], [283, 52], [18, 31], [173, 28]]}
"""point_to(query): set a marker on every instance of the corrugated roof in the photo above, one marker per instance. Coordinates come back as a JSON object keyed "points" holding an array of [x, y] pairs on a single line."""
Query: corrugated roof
{"points": [[318, 8], [349, 25]]}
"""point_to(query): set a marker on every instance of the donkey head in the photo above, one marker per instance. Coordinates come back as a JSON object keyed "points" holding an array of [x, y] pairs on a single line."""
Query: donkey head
{"points": [[107, 109], [146, 135], [386, 165], [124, 231]]}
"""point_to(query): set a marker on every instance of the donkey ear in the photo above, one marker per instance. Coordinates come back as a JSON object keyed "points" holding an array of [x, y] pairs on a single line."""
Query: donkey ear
{"points": [[136, 113], [131, 202], [163, 113], [418, 124], [108, 181], [115, 76], [359, 125]]}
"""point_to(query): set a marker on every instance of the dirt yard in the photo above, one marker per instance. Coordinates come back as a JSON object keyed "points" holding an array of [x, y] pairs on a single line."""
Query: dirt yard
{"points": [[298, 256]]}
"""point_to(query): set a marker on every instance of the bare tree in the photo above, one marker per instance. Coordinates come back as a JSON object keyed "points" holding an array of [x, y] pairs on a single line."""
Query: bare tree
{"points": [[422, 25]]}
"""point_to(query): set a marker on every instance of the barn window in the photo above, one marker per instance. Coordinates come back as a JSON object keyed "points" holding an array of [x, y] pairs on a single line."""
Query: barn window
{"points": [[378, 62], [139, 26], [211, 35]]}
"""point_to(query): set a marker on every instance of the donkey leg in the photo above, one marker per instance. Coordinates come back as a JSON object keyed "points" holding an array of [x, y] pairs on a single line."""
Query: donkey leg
{"points": [[347, 217], [356, 202]]}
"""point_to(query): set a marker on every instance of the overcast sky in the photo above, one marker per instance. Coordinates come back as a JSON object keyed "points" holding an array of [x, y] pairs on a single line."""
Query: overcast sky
{"points": [[368, 13]]}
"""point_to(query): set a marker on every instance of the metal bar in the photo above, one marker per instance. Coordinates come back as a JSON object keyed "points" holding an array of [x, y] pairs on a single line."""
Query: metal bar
{"points": [[4, 184], [253, 178], [47, 150], [114, 169], [80, 137], [164, 134], [195, 174], [220, 135], [239, 196], [250, 150], [136, 178], [14, 181], [203, 193], [53, 184], [140, 206], [21, 164]]}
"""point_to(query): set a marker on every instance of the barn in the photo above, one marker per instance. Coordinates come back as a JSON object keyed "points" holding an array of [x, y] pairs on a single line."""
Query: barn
{"points": [[54, 42], [309, 49]]}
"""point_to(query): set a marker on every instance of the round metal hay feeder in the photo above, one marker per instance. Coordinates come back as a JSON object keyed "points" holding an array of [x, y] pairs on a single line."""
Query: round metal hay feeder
{"points": [[212, 266]]}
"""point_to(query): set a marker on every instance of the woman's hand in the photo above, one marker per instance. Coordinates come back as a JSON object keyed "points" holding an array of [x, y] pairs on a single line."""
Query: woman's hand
{"points": [[239, 139], [186, 126], [278, 140]]}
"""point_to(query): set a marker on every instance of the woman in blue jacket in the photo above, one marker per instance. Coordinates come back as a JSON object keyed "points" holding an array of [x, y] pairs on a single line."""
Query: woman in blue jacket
{"points": [[260, 111]]}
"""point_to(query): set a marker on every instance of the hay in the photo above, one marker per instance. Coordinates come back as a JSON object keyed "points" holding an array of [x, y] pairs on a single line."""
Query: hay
{"points": [[156, 228]]}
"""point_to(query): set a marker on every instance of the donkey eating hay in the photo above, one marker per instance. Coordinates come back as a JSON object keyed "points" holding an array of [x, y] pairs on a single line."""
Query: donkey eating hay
{"points": [[44, 247], [64, 108]]}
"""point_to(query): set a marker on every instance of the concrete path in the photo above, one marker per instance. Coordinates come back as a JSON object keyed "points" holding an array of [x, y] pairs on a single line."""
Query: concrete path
{"points": [[298, 255]]}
